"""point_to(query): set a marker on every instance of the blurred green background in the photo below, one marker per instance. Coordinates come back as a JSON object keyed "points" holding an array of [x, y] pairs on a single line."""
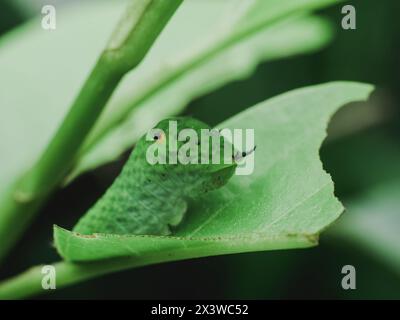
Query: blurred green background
{"points": [[362, 155]]}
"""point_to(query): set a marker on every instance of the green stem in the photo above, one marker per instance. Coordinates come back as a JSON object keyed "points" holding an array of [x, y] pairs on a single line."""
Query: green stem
{"points": [[29, 283], [130, 42]]}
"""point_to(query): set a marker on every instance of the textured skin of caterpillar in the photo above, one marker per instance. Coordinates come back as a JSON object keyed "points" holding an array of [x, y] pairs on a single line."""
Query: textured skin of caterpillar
{"points": [[149, 199]]}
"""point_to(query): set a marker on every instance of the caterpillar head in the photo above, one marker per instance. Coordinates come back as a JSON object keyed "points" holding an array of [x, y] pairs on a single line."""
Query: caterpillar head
{"points": [[189, 149]]}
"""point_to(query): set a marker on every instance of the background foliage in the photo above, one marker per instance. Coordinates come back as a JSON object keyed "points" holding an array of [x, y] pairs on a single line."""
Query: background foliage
{"points": [[362, 156]]}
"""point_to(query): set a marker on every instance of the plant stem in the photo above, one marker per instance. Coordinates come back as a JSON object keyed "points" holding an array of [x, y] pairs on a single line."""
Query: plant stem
{"points": [[132, 39], [29, 282], [60, 153]]}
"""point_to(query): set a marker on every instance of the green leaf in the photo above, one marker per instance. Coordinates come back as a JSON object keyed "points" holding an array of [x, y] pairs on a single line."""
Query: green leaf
{"points": [[251, 32], [290, 37], [286, 203], [43, 71], [372, 221], [283, 204]]}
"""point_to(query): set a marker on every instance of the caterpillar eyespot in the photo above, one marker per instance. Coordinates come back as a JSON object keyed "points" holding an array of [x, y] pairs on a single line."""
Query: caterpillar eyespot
{"points": [[149, 198], [158, 136]]}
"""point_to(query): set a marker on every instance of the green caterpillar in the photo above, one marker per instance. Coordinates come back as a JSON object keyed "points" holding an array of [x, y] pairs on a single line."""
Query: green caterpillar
{"points": [[149, 199]]}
